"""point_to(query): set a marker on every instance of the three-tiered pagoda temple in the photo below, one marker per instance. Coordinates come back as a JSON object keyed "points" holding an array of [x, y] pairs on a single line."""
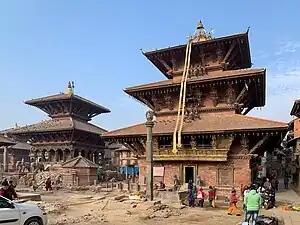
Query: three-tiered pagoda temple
{"points": [[220, 143], [68, 133]]}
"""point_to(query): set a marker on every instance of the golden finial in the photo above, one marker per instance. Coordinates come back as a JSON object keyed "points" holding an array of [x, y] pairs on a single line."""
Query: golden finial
{"points": [[69, 89], [200, 25], [201, 34]]}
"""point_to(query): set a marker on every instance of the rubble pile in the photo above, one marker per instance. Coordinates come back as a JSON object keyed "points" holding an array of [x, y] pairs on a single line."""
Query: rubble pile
{"points": [[41, 177], [24, 180], [161, 210], [77, 220], [51, 208]]}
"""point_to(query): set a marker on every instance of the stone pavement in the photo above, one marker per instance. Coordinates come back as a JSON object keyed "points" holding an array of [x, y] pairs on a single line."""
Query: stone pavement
{"points": [[285, 197]]}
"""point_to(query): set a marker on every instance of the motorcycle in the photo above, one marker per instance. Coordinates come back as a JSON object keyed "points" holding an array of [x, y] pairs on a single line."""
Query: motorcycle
{"points": [[268, 198]]}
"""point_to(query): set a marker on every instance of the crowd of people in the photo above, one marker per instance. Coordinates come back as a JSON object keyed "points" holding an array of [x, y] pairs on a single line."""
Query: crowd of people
{"points": [[8, 190], [254, 197], [197, 197]]}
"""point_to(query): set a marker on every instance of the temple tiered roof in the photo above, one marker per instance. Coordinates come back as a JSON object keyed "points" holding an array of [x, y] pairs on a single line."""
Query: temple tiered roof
{"points": [[209, 123], [63, 124]]}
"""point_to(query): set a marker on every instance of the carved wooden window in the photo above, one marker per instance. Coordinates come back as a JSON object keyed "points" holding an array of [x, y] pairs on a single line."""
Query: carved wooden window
{"points": [[204, 142], [186, 141], [164, 142]]}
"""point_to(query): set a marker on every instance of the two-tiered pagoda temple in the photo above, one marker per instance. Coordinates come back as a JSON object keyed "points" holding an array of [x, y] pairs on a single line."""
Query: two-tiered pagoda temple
{"points": [[68, 133], [219, 142]]}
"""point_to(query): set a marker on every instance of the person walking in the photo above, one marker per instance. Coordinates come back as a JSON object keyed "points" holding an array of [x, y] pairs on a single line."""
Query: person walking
{"points": [[252, 203], [232, 206], [286, 182]]}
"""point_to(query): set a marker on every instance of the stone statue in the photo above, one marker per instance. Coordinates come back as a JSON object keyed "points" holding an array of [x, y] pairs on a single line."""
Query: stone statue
{"points": [[149, 116], [21, 166], [36, 166]]}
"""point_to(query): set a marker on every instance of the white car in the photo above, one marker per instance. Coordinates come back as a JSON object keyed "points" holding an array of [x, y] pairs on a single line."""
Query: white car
{"points": [[21, 213]]}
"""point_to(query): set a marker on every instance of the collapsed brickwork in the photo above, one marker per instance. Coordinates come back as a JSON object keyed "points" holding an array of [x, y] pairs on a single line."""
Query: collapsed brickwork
{"points": [[220, 144]]}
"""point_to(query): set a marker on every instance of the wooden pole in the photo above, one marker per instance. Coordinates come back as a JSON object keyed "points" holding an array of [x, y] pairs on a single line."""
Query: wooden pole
{"points": [[149, 154]]}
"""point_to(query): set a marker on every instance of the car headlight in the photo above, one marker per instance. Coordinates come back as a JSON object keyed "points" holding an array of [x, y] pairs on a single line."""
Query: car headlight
{"points": [[41, 207]]}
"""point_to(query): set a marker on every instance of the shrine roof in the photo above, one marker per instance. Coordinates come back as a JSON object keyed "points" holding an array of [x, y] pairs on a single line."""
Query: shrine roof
{"points": [[178, 47], [79, 162], [212, 76], [20, 146], [295, 111], [179, 50], [5, 141], [57, 125], [209, 123], [66, 96]]}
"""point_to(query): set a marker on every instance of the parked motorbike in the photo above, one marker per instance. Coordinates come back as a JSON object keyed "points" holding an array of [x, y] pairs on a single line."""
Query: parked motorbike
{"points": [[268, 200]]}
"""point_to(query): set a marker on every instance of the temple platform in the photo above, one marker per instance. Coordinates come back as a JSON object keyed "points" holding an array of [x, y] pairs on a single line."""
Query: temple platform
{"points": [[29, 196]]}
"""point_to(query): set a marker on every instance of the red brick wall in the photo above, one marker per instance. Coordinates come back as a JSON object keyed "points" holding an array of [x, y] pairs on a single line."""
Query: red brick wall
{"points": [[242, 173], [86, 176], [297, 128], [208, 171]]}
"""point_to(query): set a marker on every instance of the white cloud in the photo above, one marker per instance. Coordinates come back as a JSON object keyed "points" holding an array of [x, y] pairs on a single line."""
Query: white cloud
{"points": [[283, 81]]}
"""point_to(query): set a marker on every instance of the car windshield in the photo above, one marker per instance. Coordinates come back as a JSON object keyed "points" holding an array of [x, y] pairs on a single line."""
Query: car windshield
{"points": [[3, 199]]}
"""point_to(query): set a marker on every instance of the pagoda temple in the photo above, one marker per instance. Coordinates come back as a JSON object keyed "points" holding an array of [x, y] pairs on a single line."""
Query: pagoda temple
{"points": [[214, 141], [68, 133]]}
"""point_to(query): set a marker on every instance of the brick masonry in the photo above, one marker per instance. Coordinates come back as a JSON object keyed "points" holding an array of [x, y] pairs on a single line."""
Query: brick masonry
{"points": [[223, 175], [79, 176]]}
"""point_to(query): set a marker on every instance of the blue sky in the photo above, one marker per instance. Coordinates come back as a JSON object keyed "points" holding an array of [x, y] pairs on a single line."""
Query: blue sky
{"points": [[44, 44]]}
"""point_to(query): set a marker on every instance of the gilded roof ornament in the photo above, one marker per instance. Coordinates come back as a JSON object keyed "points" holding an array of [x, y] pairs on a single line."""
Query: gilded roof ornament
{"points": [[201, 34], [70, 88]]}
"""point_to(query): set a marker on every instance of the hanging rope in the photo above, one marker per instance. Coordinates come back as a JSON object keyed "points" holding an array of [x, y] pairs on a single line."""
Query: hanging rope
{"points": [[199, 35], [182, 96]]}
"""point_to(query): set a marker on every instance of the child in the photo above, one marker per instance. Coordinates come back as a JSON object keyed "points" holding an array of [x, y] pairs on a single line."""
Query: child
{"points": [[191, 198], [200, 197], [232, 204], [242, 191], [211, 196]]}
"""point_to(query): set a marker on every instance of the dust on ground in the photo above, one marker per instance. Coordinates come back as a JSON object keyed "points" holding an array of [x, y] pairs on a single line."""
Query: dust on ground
{"points": [[65, 208]]}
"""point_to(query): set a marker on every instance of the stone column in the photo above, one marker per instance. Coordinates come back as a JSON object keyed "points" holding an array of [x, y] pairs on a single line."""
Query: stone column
{"points": [[149, 154], [263, 164], [56, 156], [11, 161], [94, 157], [5, 159]]}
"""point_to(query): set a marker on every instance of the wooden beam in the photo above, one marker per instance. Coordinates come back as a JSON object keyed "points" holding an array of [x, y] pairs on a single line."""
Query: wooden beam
{"points": [[232, 46], [131, 148], [241, 95], [259, 144], [240, 48], [144, 100], [164, 63], [249, 108], [233, 55]]}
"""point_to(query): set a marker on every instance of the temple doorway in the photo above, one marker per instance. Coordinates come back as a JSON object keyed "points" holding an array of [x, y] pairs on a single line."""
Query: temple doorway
{"points": [[189, 173]]}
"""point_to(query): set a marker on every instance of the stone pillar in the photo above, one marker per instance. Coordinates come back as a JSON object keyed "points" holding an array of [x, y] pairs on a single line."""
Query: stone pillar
{"points": [[149, 154], [94, 157], [263, 164], [72, 154], [5, 159], [56, 156], [11, 162]]}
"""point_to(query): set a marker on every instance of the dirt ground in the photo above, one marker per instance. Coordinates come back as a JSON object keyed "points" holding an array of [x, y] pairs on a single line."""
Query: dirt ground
{"points": [[65, 207]]}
